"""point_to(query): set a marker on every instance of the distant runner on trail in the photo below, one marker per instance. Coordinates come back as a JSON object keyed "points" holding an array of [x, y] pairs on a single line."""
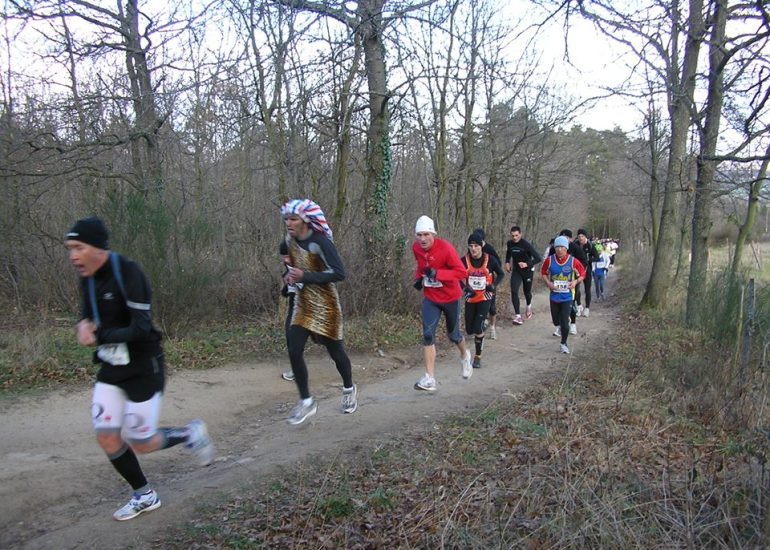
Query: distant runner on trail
{"points": [[438, 275], [591, 255], [520, 259], [483, 274], [600, 268], [116, 319], [487, 248], [313, 270], [562, 272]]}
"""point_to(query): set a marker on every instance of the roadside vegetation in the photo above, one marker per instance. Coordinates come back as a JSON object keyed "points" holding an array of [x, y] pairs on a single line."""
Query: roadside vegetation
{"points": [[657, 439], [43, 353]]}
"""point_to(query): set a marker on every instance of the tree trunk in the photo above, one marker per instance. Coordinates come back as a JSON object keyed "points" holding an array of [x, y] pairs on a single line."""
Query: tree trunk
{"points": [[378, 163], [704, 183], [751, 213], [681, 91], [344, 116], [147, 155]]}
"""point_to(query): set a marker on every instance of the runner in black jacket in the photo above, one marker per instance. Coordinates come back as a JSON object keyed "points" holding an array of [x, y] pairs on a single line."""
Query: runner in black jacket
{"points": [[591, 256], [520, 259], [116, 319]]}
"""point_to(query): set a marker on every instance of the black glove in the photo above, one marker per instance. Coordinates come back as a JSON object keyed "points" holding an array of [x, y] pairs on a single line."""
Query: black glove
{"points": [[489, 293], [469, 293], [417, 284], [285, 291], [429, 272]]}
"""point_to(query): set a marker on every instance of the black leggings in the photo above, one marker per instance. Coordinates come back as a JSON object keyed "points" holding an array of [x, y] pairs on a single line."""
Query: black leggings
{"points": [[521, 279], [296, 338], [587, 284], [560, 315], [475, 315]]}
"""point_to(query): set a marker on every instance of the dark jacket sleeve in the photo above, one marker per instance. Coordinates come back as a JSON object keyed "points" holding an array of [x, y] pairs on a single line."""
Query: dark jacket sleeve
{"points": [[497, 269], [535, 257], [577, 251], [334, 271], [138, 301]]}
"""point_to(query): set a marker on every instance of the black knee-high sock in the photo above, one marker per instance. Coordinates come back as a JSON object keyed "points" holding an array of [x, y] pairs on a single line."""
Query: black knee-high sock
{"points": [[127, 465], [479, 341], [173, 436]]}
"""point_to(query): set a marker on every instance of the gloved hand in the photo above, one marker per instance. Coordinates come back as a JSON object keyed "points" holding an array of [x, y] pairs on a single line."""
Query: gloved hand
{"points": [[429, 272], [417, 284], [489, 293], [469, 293]]}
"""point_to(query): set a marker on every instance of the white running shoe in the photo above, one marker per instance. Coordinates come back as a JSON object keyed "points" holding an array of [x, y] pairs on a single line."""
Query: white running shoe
{"points": [[138, 504], [586, 312], [579, 311], [563, 348], [517, 320], [288, 375], [467, 368], [572, 328], [199, 443], [557, 332], [301, 411], [350, 399], [426, 383], [528, 314], [493, 332]]}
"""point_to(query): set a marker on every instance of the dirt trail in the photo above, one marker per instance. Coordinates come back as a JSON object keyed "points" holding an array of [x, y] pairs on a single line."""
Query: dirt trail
{"points": [[58, 491]]}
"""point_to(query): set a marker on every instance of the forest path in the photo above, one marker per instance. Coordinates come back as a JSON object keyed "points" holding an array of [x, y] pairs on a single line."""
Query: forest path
{"points": [[58, 491]]}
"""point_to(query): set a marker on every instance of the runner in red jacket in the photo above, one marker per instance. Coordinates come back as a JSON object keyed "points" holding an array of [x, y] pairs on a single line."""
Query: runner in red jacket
{"points": [[438, 274]]}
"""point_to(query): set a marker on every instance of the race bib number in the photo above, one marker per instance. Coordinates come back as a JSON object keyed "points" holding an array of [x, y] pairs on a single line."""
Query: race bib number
{"points": [[561, 286], [427, 282], [114, 354], [477, 283]]}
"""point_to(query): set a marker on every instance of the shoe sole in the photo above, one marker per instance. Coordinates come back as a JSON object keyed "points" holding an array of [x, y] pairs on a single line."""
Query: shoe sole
{"points": [[142, 511], [354, 408], [205, 454], [417, 386], [287, 377], [310, 413]]}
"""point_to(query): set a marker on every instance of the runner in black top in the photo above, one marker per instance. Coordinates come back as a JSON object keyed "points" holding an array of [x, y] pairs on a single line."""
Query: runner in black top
{"points": [[116, 319], [591, 256], [520, 259]]}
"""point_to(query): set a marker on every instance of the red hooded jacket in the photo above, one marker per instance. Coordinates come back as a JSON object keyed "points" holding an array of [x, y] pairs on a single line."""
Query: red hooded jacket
{"points": [[449, 271]]}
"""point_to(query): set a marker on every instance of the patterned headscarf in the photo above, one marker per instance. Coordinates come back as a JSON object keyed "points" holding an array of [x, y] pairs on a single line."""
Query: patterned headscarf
{"points": [[310, 213]]}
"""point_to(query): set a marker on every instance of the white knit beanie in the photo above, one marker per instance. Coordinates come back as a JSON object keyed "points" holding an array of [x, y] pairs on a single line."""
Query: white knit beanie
{"points": [[424, 223]]}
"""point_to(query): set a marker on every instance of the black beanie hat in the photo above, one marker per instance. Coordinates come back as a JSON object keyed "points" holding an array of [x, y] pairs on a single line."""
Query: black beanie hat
{"points": [[566, 233], [480, 232], [475, 238], [582, 232], [90, 231]]}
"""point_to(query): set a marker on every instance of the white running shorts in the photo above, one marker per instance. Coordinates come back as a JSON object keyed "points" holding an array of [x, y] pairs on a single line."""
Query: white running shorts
{"points": [[111, 410]]}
